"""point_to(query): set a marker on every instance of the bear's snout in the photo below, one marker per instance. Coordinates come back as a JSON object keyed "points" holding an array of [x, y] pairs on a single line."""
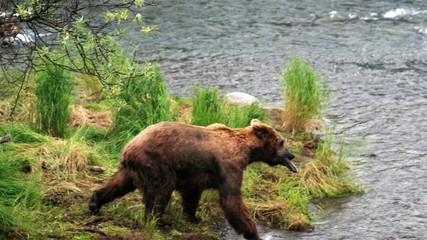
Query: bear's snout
{"points": [[290, 156]]}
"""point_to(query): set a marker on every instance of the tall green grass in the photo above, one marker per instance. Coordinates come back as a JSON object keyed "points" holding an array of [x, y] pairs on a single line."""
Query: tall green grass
{"points": [[304, 96], [240, 116], [21, 133], [209, 108], [19, 197], [53, 90], [141, 101]]}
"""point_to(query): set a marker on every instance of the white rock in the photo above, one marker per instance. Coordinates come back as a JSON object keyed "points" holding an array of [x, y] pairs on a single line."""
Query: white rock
{"points": [[240, 98]]}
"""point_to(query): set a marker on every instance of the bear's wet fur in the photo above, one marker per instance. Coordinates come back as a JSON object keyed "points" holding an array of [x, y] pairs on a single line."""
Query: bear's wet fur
{"points": [[171, 156]]}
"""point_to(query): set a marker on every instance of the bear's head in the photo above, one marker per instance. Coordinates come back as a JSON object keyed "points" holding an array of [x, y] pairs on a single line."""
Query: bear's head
{"points": [[273, 149]]}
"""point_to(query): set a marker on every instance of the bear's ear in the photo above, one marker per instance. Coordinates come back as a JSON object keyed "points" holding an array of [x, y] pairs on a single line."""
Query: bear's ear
{"points": [[257, 124], [259, 128]]}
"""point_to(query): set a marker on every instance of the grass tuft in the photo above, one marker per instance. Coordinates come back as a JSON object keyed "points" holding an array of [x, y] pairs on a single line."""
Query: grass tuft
{"points": [[274, 198], [326, 176], [207, 107], [53, 90], [303, 95], [142, 101], [22, 134]]}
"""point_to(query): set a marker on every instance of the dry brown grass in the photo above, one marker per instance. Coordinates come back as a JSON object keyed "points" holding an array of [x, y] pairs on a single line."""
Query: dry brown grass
{"points": [[291, 121], [324, 178], [86, 116], [270, 213], [299, 222], [3, 112], [279, 119], [314, 176], [293, 125], [68, 158], [183, 109], [280, 214], [23, 112], [58, 158]]}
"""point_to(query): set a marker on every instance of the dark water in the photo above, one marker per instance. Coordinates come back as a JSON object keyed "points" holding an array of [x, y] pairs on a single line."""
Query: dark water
{"points": [[374, 55]]}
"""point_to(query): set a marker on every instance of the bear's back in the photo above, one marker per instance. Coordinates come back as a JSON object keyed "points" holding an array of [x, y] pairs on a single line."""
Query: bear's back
{"points": [[173, 136]]}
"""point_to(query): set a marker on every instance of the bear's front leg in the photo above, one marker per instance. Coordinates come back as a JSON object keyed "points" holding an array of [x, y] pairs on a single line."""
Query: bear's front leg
{"points": [[238, 216], [235, 210]]}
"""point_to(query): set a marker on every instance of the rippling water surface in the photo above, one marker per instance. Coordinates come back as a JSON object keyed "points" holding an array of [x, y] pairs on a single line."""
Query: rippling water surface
{"points": [[374, 55]]}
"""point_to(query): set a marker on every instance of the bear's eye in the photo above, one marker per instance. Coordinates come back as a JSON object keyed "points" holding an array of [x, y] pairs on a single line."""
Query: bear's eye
{"points": [[281, 143]]}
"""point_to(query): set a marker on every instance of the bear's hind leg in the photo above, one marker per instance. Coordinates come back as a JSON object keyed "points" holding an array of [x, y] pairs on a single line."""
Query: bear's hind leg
{"points": [[190, 203], [156, 203], [118, 185], [157, 192]]}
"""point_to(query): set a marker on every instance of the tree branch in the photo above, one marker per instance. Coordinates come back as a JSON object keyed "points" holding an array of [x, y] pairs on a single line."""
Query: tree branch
{"points": [[49, 22]]}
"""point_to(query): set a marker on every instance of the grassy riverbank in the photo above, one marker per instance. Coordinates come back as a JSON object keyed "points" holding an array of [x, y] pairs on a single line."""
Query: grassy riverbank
{"points": [[46, 181]]}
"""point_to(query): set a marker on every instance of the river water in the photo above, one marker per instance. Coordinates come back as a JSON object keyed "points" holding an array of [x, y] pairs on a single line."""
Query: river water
{"points": [[374, 56]]}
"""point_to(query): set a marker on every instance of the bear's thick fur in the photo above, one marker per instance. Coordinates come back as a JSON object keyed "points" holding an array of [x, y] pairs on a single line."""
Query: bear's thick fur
{"points": [[172, 156]]}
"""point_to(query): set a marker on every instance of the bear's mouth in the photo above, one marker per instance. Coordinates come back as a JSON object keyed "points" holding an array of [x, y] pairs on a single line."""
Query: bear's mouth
{"points": [[287, 163]]}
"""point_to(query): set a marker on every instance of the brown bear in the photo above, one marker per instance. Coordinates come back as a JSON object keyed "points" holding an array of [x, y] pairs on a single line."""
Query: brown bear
{"points": [[172, 156]]}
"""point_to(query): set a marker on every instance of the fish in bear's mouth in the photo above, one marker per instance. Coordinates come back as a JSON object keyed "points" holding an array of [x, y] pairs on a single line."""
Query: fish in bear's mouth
{"points": [[287, 163]]}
